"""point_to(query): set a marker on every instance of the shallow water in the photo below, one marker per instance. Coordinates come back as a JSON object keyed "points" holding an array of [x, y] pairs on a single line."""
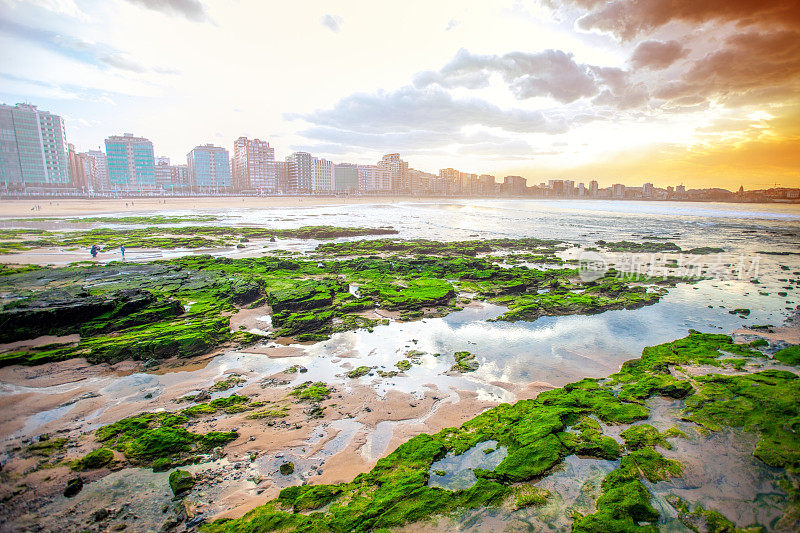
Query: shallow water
{"points": [[457, 469]]}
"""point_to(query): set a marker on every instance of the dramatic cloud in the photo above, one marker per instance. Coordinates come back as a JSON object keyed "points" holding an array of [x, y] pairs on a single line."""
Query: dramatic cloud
{"points": [[657, 55], [749, 67], [550, 73], [192, 10], [332, 22], [629, 18], [410, 109], [750, 60]]}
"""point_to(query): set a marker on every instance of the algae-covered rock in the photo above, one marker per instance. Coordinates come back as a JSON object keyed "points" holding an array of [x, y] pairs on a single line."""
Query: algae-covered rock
{"points": [[287, 469], [359, 372], [94, 460], [465, 362], [181, 481], [790, 355], [62, 312]]}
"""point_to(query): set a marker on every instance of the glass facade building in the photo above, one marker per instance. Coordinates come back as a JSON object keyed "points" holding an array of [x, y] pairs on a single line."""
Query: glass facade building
{"points": [[209, 168], [33, 148], [130, 163]]}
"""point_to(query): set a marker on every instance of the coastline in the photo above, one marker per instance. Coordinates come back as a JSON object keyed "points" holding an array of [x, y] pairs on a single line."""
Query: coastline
{"points": [[17, 208]]}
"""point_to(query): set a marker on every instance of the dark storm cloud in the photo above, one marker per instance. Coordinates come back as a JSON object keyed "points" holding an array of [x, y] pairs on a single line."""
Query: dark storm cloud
{"points": [[657, 55], [748, 67], [629, 18]]}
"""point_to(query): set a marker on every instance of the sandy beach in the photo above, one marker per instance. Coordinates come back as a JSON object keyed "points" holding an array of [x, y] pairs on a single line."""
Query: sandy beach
{"points": [[100, 206]]}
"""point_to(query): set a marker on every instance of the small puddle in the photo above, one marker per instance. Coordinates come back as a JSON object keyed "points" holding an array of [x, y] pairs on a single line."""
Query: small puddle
{"points": [[457, 469]]}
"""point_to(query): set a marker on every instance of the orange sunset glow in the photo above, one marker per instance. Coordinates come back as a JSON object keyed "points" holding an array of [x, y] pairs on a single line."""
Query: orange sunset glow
{"points": [[699, 93]]}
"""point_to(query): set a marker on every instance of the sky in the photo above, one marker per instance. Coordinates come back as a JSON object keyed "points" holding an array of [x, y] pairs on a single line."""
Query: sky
{"points": [[705, 94]]}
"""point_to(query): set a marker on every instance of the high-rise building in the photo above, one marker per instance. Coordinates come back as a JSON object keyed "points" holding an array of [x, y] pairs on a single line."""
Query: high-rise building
{"points": [[33, 148], [253, 166], [647, 190], [179, 178], [398, 170], [569, 188], [99, 174], [281, 175], [452, 180], [163, 173], [556, 187], [514, 185], [486, 184], [593, 188], [301, 171], [77, 169], [372, 179], [618, 190], [345, 177], [131, 164], [209, 168], [424, 182], [323, 174]]}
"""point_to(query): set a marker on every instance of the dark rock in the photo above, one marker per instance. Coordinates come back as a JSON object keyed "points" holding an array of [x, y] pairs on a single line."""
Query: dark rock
{"points": [[61, 312], [73, 487]]}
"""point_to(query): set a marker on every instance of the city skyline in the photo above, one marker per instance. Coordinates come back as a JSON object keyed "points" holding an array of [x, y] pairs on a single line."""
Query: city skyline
{"points": [[531, 90], [36, 158]]}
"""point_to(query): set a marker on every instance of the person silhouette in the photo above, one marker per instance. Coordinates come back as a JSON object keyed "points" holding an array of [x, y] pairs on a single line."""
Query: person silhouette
{"points": [[122, 249]]}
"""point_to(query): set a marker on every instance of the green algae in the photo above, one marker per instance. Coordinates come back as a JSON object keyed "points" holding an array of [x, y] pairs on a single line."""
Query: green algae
{"points": [[234, 380], [308, 497], [46, 446], [180, 481], [789, 356], [426, 247], [94, 460], [190, 237], [587, 439], [643, 435], [278, 412], [528, 495], [359, 372], [142, 219], [229, 404], [465, 362], [313, 391], [702, 519], [191, 298], [538, 434], [163, 437], [643, 247]]}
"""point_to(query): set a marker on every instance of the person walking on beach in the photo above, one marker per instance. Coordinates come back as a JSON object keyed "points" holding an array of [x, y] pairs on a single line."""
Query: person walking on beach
{"points": [[94, 251], [122, 249]]}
